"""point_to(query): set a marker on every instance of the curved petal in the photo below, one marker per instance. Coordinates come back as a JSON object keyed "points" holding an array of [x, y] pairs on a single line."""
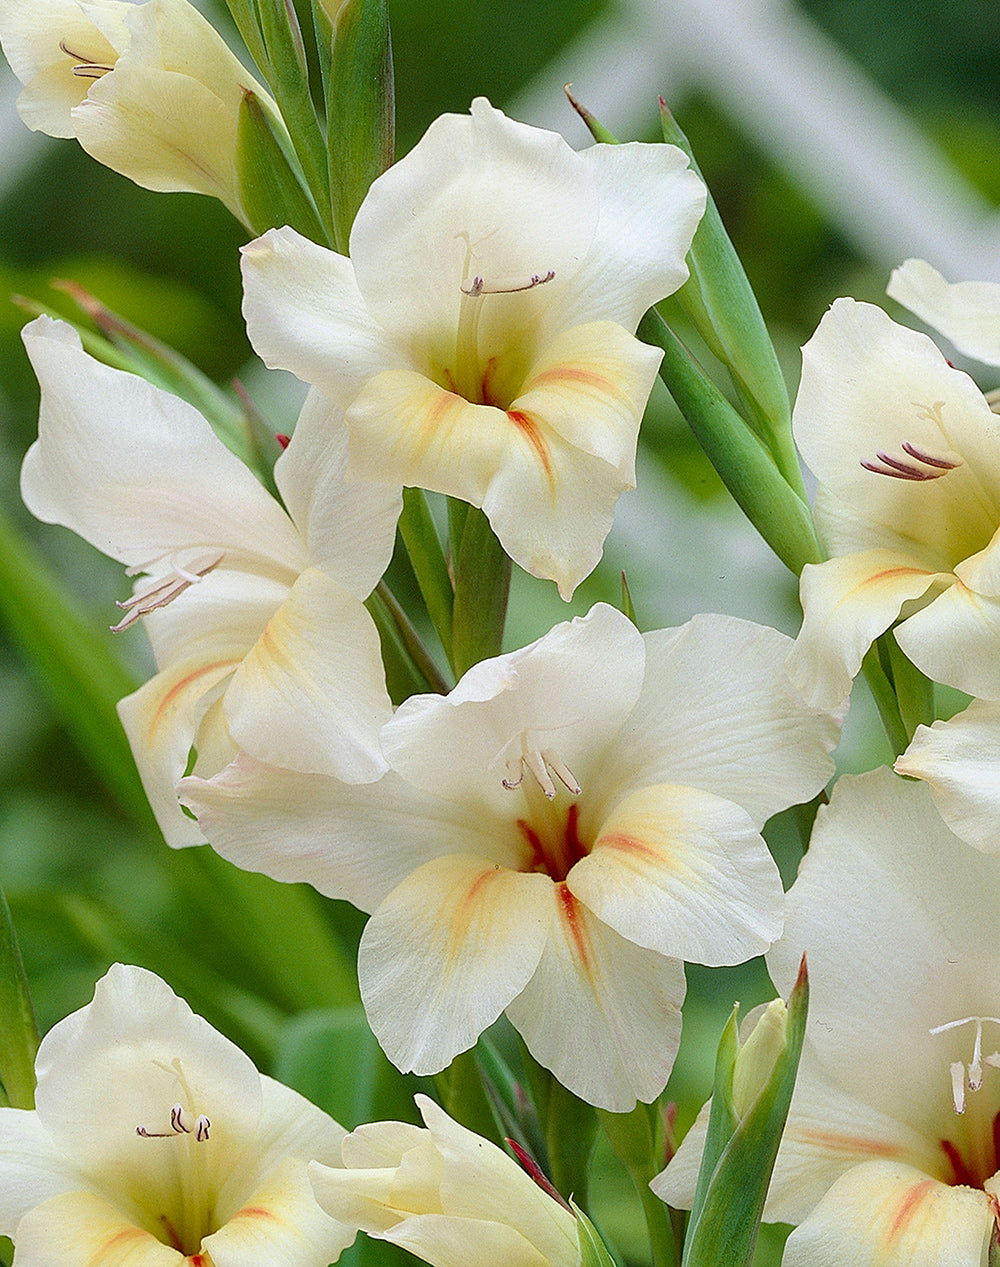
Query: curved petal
{"points": [[871, 387], [140, 1039], [966, 313], [447, 1241], [570, 691], [164, 483], [650, 205], [956, 640], [886, 1215], [716, 712], [446, 952], [310, 694], [847, 603], [960, 761], [349, 526], [77, 1229], [479, 195], [355, 841], [161, 720], [280, 1223], [304, 313], [684, 873], [34, 1168], [602, 1013]]}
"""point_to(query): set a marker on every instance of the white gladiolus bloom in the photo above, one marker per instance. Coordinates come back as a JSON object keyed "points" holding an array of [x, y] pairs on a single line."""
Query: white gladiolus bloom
{"points": [[905, 450], [890, 1155], [445, 1195], [255, 615], [150, 90], [156, 1143], [480, 339], [553, 840]]}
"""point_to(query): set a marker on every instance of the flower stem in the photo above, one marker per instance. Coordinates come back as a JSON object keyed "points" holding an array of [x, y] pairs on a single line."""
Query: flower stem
{"points": [[635, 1140]]}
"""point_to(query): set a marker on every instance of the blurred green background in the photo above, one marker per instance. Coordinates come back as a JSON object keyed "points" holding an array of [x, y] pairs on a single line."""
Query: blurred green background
{"points": [[87, 881]]}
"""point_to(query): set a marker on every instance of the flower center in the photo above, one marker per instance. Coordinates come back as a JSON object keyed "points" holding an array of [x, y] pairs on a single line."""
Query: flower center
{"points": [[555, 848], [974, 1156], [84, 68], [158, 591], [539, 763]]}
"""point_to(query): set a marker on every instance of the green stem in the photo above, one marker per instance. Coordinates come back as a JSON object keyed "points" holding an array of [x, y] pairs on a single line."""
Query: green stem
{"points": [[635, 1140], [423, 545], [422, 661], [885, 700], [482, 587]]}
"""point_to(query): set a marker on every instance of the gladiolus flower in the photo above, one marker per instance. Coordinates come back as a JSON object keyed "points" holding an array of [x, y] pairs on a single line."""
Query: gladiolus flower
{"points": [[552, 840], [150, 90], [255, 615], [890, 1154], [905, 451], [480, 337], [155, 1142], [446, 1195]]}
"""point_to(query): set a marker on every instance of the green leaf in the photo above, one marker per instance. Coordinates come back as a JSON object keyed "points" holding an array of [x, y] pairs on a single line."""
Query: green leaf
{"points": [[749, 472], [593, 1251], [360, 102], [18, 1027], [423, 545], [725, 1228], [722, 1120], [270, 190], [482, 586]]}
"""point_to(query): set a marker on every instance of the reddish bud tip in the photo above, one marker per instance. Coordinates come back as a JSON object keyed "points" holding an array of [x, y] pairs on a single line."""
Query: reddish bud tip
{"points": [[282, 439]]}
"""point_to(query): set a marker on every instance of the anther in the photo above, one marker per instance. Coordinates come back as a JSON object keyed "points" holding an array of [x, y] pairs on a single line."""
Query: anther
{"points": [[972, 1076], [925, 466], [84, 68], [539, 764], [505, 285], [179, 1126], [159, 594]]}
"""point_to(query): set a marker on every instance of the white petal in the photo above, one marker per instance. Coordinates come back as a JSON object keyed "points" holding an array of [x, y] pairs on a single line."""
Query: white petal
{"points": [[135, 471], [78, 1229], [480, 194], [716, 713], [847, 603], [884, 1214], [956, 640], [684, 873], [960, 761], [32, 1166], [304, 313], [966, 313], [600, 1012], [349, 526], [446, 952], [870, 386], [354, 841], [311, 695], [447, 1241], [570, 691], [650, 205]]}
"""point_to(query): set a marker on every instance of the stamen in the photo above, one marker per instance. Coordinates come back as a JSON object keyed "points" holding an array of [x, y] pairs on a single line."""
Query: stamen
{"points": [[973, 1077], [161, 592], [932, 467], [85, 68], [178, 1126], [505, 285], [539, 763]]}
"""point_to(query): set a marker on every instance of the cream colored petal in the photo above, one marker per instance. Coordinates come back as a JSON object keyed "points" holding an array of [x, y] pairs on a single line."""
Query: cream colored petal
{"points": [[956, 640], [871, 387], [79, 1229], [847, 603], [570, 691], [960, 761], [446, 952], [889, 1215], [161, 720], [447, 1241], [684, 873], [304, 313], [355, 841], [716, 712], [349, 526], [279, 1223], [602, 1013], [310, 695], [482, 195], [32, 1165], [966, 313]]}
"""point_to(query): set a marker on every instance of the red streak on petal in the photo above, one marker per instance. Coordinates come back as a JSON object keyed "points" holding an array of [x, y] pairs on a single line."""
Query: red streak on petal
{"points": [[834, 1142], [917, 1193], [255, 1212], [197, 1260], [629, 844], [529, 429], [575, 848], [571, 916], [167, 701], [877, 577], [571, 374], [121, 1238], [960, 1171], [538, 860]]}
